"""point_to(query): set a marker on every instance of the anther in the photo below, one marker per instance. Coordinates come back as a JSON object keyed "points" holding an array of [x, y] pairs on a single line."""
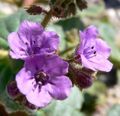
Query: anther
{"points": [[26, 43], [94, 52]]}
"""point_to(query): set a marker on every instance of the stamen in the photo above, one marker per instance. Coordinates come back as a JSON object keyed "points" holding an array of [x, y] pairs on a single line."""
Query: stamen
{"points": [[87, 49], [94, 52], [41, 78], [90, 56], [34, 42], [21, 49], [89, 52]]}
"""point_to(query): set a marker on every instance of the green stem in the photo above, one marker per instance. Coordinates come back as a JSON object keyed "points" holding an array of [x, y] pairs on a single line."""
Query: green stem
{"points": [[67, 50], [47, 19]]}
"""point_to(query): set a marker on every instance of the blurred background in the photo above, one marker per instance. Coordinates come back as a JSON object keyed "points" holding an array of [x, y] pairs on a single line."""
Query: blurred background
{"points": [[103, 97]]}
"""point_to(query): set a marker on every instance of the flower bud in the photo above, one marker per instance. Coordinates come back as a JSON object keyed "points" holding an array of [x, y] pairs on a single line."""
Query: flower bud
{"points": [[82, 4], [17, 96], [80, 76], [83, 80], [58, 11], [36, 10], [29, 105], [71, 9], [13, 90]]}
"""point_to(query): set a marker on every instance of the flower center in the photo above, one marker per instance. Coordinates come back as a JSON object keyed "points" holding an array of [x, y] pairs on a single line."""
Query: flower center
{"points": [[41, 78], [90, 52], [33, 50]]}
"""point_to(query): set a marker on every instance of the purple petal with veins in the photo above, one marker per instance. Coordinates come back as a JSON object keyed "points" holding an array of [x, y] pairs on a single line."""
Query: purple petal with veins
{"points": [[43, 78], [31, 39], [93, 52]]}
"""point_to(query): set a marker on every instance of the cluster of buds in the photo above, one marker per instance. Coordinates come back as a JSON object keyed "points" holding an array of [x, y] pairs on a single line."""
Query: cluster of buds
{"points": [[35, 10], [66, 8], [60, 8]]}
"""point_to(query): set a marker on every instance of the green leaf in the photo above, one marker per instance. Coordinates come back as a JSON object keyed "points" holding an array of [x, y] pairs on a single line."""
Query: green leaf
{"points": [[53, 1], [8, 69], [98, 89], [118, 76], [5, 76], [10, 105], [68, 107], [71, 23], [3, 30], [93, 10], [114, 110], [68, 25], [3, 43], [39, 113], [2, 14]]}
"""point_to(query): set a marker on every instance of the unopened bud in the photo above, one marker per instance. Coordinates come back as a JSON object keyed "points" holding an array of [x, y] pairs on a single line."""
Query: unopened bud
{"points": [[15, 94], [82, 4], [13, 90], [83, 80], [71, 9], [35, 10], [80, 76], [29, 105], [58, 11]]}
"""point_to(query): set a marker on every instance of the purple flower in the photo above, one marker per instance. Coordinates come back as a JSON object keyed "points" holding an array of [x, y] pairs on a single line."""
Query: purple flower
{"points": [[31, 39], [43, 78], [93, 52]]}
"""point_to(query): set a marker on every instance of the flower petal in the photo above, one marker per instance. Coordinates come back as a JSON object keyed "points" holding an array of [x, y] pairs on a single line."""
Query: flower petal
{"points": [[39, 98], [31, 39], [87, 37], [17, 47], [30, 32], [60, 87], [102, 48], [93, 52], [51, 40], [101, 64], [86, 63], [55, 66], [35, 64], [28, 27], [24, 83], [91, 32], [106, 66], [80, 46], [52, 65]]}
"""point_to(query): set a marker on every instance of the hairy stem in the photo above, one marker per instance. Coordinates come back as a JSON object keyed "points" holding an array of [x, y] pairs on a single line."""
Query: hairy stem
{"points": [[47, 19]]}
